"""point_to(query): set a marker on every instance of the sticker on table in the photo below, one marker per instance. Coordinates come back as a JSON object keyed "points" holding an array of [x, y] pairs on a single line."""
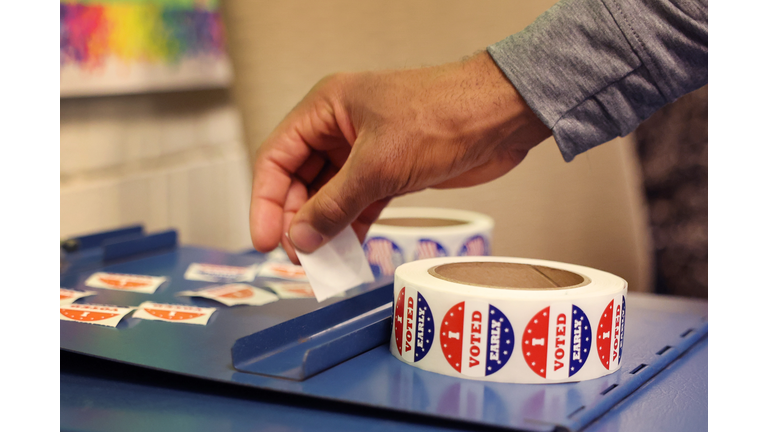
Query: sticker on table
{"points": [[174, 313], [220, 273], [125, 282], [282, 270], [278, 255], [103, 315], [68, 296], [557, 341], [288, 290], [234, 294]]}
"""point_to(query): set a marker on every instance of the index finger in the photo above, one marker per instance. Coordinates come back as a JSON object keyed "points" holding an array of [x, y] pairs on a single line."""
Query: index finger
{"points": [[276, 163]]}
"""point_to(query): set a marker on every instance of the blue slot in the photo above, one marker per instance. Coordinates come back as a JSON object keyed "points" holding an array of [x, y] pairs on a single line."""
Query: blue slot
{"points": [[97, 239], [124, 247], [312, 343]]}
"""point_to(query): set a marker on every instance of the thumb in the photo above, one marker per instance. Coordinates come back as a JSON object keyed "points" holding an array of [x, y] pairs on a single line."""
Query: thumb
{"points": [[335, 206]]}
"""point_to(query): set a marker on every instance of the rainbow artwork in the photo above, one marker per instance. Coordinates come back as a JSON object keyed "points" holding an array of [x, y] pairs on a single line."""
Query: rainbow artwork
{"points": [[119, 46]]}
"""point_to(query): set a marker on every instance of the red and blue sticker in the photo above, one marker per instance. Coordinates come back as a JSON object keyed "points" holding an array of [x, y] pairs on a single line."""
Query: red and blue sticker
{"points": [[427, 248], [383, 255], [475, 246], [413, 325], [610, 334], [477, 338], [557, 341]]}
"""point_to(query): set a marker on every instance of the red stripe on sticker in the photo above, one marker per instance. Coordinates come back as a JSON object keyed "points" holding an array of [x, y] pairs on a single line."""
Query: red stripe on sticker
{"points": [[603, 340], [535, 342], [451, 332], [85, 315], [173, 315], [399, 320]]}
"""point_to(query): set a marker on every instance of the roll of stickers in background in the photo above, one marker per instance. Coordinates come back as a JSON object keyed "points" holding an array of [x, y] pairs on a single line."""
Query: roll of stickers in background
{"points": [[508, 320], [405, 234]]}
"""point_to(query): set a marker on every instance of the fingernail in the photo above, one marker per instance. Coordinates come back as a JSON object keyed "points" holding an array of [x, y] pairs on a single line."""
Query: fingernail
{"points": [[305, 238]]}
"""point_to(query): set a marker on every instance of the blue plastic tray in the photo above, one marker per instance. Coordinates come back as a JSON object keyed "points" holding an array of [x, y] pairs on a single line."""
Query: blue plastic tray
{"points": [[657, 332]]}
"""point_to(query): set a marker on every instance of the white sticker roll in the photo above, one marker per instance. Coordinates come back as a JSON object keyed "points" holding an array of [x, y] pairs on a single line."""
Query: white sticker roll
{"points": [[508, 320], [405, 234]]}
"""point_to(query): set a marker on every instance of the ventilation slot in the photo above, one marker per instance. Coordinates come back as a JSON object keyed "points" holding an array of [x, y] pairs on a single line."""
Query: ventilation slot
{"points": [[663, 350], [577, 410], [638, 369], [605, 392], [687, 332]]}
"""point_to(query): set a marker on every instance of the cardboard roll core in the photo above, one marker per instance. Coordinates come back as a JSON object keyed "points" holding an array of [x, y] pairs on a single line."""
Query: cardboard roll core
{"points": [[420, 222], [508, 275]]}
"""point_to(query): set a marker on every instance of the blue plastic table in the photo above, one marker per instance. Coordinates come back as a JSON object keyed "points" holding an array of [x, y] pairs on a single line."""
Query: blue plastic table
{"points": [[148, 375]]}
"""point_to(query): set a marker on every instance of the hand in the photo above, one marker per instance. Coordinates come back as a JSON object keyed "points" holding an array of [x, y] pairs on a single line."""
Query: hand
{"points": [[357, 140]]}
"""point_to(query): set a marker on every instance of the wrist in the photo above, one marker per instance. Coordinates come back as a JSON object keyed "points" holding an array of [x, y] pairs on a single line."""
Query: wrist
{"points": [[518, 127]]}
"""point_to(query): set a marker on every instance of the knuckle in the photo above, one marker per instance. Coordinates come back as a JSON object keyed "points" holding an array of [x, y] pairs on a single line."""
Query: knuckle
{"points": [[330, 212]]}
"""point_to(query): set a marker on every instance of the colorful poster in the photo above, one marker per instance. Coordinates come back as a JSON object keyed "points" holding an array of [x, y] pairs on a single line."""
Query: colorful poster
{"points": [[130, 46]]}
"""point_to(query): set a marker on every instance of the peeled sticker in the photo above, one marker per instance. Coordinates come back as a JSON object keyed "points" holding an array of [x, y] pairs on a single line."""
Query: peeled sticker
{"points": [[68, 296], [103, 315], [174, 313], [282, 270], [233, 294], [125, 282], [220, 273]]}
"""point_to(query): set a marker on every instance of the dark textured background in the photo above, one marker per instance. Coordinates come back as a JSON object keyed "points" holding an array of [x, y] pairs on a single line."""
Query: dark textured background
{"points": [[672, 146]]}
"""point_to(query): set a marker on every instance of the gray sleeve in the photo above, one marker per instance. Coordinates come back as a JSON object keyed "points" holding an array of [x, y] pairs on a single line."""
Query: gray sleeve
{"points": [[593, 70]]}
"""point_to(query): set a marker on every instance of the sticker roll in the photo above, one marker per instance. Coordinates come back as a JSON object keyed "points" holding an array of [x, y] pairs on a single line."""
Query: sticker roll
{"points": [[509, 320], [405, 234]]}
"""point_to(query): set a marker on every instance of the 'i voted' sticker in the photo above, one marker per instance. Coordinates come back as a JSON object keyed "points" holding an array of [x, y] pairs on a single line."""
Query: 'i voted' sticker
{"points": [[557, 340], [383, 255], [477, 338], [68, 296], [413, 326], [174, 313], [475, 246], [105, 315], [220, 273], [233, 294], [610, 334], [427, 248], [125, 282]]}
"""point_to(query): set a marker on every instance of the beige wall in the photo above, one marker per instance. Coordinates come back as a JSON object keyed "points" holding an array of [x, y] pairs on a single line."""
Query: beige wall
{"points": [[167, 160], [587, 212]]}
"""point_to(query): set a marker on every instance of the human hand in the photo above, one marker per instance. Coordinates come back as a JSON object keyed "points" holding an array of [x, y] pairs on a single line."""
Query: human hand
{"points": [[357, 140]]}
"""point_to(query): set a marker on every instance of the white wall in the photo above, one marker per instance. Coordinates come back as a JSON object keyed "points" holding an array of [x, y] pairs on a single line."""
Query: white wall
{"points": [[172, 160]]}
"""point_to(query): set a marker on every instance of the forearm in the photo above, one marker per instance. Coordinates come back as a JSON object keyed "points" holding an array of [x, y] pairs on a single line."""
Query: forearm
{"points": [[592, 70]]}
